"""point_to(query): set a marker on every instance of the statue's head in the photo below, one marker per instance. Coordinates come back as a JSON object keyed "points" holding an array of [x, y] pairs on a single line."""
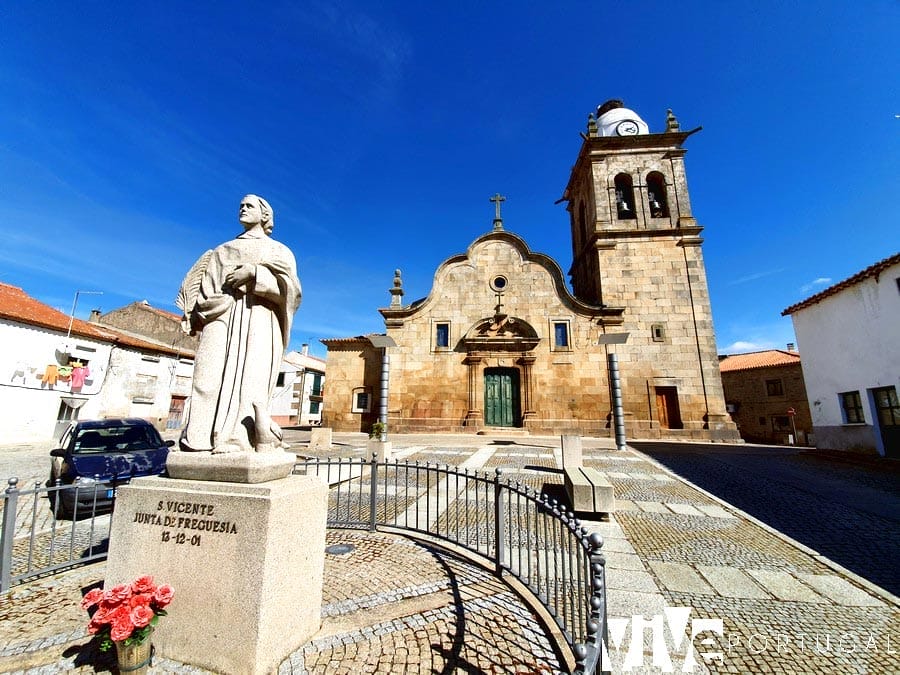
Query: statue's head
{"points": [[253, 210]]}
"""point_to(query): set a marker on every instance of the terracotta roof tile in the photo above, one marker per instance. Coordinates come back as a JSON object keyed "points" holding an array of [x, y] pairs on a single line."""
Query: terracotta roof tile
{"points": [[766, 359], [17, 305], [348, 340], [871, 271]]}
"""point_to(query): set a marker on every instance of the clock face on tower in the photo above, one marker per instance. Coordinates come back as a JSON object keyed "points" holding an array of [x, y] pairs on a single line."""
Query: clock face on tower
{"points": [[627, 128]]}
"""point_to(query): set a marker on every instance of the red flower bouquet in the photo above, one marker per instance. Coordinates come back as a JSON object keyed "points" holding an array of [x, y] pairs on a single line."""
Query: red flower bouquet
{"points": [[127, 612]]}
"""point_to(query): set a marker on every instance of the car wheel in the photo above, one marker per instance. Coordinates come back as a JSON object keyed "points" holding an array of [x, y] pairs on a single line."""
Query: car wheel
{"points": [[57, 505]]}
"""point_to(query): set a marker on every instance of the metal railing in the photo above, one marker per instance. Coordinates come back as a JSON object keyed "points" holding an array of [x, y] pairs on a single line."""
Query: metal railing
{"points": [[523, 533], [35, 542], [519, 531]]}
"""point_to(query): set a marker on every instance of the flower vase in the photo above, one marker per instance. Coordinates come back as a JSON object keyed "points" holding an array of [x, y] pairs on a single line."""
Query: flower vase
{"points": [[134, 659]]}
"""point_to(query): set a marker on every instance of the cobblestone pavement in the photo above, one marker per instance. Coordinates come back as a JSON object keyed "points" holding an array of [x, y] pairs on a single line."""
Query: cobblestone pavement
{"points": [[669, 545], [849, 512]]}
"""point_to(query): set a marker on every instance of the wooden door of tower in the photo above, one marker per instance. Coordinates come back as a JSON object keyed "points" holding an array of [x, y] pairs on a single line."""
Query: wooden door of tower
{"points": [[501, 397], [667, 408]]}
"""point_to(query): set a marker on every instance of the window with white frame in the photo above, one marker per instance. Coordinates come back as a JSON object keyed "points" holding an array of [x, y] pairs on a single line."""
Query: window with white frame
{"points": [[562, 339], [441, 334], [362, 400], [851, 407]]}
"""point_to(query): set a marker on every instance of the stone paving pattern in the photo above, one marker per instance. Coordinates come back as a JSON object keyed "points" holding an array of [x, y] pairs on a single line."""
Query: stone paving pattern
{"points": [[397, 605], [844, 499]]}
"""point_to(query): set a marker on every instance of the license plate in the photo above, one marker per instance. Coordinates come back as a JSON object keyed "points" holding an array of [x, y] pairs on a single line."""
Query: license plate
{"points": [[111, 493]]}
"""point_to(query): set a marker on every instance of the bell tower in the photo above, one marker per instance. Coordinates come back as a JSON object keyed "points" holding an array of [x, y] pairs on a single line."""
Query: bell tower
{"points": [[637, 245]]}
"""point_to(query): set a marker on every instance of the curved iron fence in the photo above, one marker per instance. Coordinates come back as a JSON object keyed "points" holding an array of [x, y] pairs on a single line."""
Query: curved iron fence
{"points": [[523, 533]]}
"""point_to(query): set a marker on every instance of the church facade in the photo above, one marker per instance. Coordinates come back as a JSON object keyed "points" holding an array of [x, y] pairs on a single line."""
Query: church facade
{"points": [[500, 342]]}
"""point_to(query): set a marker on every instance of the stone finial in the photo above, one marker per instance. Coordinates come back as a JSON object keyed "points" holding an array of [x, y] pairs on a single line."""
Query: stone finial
{"points": [[671, 123], [397, 290], [592, 130]]}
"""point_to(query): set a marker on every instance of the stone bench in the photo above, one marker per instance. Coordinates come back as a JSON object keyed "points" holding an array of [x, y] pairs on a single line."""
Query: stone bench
{"points": [[589, 490]]}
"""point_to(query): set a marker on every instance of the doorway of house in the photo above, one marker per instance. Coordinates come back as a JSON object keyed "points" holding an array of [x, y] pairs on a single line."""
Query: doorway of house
{"points": [[176, 412], [887, 409], [667, 408], [501, 397]]}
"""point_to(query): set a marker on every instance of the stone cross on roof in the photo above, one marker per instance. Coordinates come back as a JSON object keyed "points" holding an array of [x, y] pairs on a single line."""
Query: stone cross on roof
{"points": [[498, 221]]}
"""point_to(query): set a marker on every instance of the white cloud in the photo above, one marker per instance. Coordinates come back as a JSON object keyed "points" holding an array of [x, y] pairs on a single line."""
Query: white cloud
{"points": [[753, 335], [754, 276], [821, 281], [741, 347]]}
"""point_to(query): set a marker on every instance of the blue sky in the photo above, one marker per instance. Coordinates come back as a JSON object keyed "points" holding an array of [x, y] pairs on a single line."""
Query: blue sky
{"points": [[378, 131]]}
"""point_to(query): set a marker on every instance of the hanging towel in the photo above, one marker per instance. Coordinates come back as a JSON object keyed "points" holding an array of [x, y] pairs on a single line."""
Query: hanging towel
{"points": [[79, 374], [50, 375]]}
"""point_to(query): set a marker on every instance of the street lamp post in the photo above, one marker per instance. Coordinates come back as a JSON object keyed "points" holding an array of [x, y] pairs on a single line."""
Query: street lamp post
{"points": [[74, 305], [615, 385]]}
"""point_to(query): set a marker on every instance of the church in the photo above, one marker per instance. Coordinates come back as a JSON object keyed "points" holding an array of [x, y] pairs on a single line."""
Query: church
{"points": [[501, 343]]}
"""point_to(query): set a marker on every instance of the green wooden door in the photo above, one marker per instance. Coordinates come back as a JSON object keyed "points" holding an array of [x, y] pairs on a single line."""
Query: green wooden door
{"points": [[887, 407], [501, 397]]}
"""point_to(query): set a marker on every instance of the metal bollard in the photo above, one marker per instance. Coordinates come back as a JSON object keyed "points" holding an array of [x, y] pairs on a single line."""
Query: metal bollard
{"points": [[10, 500]]}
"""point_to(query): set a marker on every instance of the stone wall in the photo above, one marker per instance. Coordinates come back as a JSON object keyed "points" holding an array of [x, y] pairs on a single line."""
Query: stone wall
{"points": [[141, 318], [754, 407], [353, 365]]}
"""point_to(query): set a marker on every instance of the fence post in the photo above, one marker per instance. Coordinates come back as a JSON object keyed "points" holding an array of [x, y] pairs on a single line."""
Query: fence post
{"points": [[597, 624], [373, 489], [499, 523], [10, 499]]}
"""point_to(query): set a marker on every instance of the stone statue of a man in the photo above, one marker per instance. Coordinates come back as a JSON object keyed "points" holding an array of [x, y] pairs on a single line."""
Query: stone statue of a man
{"points": [[241, 297]]}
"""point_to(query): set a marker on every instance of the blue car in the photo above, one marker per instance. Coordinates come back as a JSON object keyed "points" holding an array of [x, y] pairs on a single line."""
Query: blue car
{"points": [[96, 456]]}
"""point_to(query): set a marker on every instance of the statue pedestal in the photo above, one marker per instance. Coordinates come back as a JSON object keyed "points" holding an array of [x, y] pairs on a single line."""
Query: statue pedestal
{"points": [[234, 467], [246, 562]]}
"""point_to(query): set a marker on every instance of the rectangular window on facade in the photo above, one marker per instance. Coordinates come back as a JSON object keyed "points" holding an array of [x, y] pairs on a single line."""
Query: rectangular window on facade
{"points": [[441, 335], [851, 404], [280, 381], [774, 388], [781, 423], [658, 332], [314, 407], [143, 388], [361, 401], [316, 385], [887, 407], [560, 334]]}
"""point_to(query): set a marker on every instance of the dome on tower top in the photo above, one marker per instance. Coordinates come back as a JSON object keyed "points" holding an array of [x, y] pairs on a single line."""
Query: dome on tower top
{"points": [[614, 119]]}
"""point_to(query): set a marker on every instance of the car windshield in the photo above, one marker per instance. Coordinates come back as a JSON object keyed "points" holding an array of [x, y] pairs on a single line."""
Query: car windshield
{"points": [[116, 439]]}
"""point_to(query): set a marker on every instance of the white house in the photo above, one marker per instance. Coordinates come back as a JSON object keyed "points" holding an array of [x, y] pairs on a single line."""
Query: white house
{"points": [[297, 399], [849, 335], [56, 368]]}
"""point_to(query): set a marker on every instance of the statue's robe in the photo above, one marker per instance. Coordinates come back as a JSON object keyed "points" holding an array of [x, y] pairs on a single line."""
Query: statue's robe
{"points": [[244, 335]]}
